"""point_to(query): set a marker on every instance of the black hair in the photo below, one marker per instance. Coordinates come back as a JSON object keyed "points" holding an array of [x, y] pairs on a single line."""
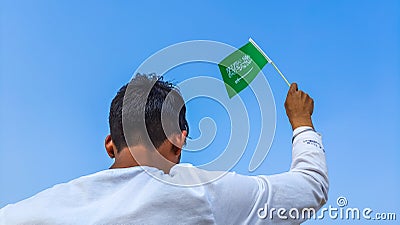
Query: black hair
{"points": [[146, 93]]}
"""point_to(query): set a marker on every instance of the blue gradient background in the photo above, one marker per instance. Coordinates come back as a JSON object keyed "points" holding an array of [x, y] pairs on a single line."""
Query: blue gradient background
{"points": [[61, 63]]}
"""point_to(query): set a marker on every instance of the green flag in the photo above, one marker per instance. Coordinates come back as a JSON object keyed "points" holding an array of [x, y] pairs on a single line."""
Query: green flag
{"points": [[241, 67]]}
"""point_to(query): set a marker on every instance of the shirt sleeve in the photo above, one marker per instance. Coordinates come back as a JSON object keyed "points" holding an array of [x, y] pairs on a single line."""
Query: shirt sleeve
{"points": [[285, 198]]}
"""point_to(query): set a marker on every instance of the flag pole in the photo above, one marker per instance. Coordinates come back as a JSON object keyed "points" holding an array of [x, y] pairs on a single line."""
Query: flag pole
{"points": [[280, 73], [270, 61]]}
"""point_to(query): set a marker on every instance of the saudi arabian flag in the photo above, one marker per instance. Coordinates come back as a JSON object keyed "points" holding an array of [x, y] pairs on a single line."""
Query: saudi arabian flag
{"points": [[241, 67]]}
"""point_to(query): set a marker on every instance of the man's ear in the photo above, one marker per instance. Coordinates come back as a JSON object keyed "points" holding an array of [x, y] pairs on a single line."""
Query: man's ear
{"points": [[178, 140], [183, 138], [110, 147]]}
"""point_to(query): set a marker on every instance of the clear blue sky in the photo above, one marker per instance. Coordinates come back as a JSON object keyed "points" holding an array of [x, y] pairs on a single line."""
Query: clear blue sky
{"points": [[61, 63]]}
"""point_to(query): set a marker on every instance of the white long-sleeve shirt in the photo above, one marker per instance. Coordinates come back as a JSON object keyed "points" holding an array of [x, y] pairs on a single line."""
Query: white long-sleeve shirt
{"points": [[132, 196]]}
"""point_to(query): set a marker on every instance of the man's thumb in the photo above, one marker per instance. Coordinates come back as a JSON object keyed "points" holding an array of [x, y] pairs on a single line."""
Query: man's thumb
{"points": [[293, 87]]}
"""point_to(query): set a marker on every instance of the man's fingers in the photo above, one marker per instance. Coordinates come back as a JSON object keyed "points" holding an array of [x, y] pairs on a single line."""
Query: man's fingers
{"points": [[293, 87]]}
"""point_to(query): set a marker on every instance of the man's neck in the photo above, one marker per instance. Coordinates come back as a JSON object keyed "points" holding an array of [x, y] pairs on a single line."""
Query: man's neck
{"points": [[124, 159]]}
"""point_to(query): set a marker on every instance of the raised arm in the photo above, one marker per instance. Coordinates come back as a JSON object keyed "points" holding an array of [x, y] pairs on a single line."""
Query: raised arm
{"points": [[304, 188], [285, 198]]}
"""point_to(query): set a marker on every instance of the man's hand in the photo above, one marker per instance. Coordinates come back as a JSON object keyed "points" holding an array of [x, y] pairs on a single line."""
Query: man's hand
{"points": [[299, 107]]}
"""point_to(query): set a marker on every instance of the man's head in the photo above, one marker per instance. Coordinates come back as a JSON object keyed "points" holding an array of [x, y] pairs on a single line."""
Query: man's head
{"points": [[156, 104]]}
